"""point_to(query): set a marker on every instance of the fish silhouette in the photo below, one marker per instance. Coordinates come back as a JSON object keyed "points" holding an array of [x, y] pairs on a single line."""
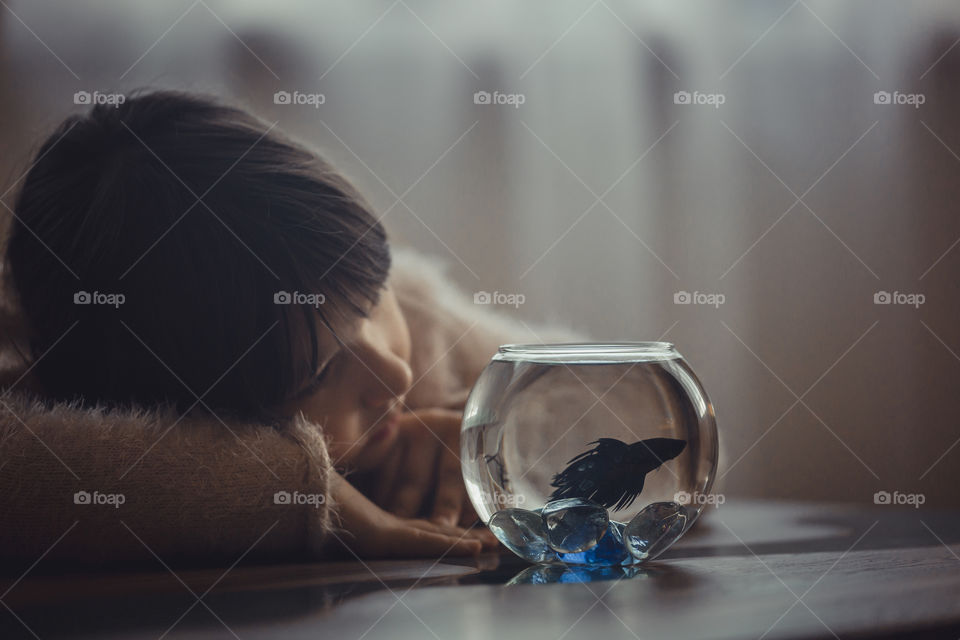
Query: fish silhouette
{"points": [[612, 473]]}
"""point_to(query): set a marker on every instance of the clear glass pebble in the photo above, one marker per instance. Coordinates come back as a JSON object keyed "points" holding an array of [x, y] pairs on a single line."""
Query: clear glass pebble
{"points": [[521, 531], [654, 529], [573, 525]]}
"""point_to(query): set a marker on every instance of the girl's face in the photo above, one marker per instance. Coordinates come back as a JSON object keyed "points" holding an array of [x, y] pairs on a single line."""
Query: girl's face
{"points": [[357, 392]]}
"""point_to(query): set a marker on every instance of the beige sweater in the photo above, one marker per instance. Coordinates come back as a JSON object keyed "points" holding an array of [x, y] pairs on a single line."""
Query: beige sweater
{"points": [[98, 487]]}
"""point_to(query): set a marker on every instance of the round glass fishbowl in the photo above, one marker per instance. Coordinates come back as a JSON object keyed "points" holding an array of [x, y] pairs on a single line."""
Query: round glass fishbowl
{"points": [[591, 454]]}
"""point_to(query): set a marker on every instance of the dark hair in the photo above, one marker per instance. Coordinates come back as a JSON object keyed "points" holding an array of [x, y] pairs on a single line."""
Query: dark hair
{"points": [[111, 206]]}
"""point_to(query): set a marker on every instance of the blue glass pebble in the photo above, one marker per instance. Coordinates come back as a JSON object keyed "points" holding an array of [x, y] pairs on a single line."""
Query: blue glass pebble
{"points": [[609, 551], [573, 525]]}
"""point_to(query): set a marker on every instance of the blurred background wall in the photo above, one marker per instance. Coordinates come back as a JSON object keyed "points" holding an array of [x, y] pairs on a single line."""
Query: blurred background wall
{"points": [[780, 180]]}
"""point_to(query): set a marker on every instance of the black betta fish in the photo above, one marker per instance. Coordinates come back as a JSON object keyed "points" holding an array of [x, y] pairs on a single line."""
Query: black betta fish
{"points": [[612, 473]]}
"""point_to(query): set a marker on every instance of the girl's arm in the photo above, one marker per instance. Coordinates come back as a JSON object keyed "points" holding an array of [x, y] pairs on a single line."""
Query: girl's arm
{"points": [[86, 486], [95, 488]]}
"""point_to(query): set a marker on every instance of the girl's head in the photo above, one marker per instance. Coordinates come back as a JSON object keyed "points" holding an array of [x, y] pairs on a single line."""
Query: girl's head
{"points": [[173, 248]]}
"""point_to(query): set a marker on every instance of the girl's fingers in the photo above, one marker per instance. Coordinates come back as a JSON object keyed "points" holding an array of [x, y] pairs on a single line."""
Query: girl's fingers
{"points": [[387, 479], [415, 478], [415, 541], [468, 516], [451, 494], [482, 534], [486, 537]]}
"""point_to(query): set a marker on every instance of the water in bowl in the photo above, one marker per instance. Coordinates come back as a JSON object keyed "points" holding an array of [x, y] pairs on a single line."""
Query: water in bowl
{"points": [[588, 454]]}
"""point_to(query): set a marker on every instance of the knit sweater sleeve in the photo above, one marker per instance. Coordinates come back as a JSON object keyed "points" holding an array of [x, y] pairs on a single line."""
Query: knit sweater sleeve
{"points": [[94, 487]]}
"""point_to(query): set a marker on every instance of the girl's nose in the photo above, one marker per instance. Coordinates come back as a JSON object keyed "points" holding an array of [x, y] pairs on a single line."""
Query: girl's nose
{"points": [[391, 376]]}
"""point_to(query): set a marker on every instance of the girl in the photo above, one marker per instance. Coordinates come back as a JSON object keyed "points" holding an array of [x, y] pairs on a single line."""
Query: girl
{"points": [[218, 358]]}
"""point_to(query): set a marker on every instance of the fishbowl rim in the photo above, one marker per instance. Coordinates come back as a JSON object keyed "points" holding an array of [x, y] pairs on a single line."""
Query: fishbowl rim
{"points": [[587, 352]]}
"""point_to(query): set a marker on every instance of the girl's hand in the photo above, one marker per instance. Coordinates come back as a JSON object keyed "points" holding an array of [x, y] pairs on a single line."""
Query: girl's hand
{"points": [[422, 473], [370, 532]]}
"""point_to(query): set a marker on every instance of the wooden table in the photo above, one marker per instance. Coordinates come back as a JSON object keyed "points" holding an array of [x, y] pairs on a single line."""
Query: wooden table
{"points": [[748, 570]]}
